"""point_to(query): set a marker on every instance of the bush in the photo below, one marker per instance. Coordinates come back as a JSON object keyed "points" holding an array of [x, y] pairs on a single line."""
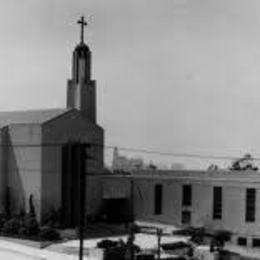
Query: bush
{"points": [[22, 231], [49, 234], [12, 226], [3, 219], [30, 224], [107, 244], [223, 235], [198, 235], [32, 208], [24, 225], [113, 250], [53, 218], [92, 218]]}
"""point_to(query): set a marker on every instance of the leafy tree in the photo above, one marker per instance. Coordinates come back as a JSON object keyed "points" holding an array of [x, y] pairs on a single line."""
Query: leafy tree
{"points": [[244, 163]]}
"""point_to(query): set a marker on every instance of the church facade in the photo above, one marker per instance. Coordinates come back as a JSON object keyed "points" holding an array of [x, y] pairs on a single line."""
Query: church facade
{"points": [[38, 152]]}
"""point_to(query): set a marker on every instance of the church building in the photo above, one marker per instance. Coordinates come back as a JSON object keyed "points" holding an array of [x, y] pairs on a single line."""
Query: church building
{"points": [[38, 156]]}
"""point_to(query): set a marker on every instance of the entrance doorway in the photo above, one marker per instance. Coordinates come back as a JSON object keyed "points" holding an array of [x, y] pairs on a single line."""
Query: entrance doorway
{"points": [[118, 210], [72, 164]]}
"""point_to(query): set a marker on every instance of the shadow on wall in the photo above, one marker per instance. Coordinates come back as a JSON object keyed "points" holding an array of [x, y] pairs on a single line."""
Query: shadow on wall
{"points": [[15, 192]]}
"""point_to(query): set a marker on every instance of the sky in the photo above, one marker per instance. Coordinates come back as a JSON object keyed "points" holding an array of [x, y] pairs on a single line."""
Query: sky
{"points": [[172, 75]]}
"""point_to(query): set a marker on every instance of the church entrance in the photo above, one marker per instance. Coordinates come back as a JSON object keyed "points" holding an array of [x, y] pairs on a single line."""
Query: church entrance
{"points": [[117, 210], [72, 165]]}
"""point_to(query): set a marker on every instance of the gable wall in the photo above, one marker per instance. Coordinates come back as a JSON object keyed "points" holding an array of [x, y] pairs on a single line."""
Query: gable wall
{"points": [[3, 167], [24, 166], [67, 128]]}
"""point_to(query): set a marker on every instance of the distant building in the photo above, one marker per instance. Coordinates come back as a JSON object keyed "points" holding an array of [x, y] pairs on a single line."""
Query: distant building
{"points": [[122, 163], [177, 166]]}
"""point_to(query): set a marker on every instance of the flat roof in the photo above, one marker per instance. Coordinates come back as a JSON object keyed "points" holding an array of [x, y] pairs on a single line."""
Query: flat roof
{"points": [[236, 176]]}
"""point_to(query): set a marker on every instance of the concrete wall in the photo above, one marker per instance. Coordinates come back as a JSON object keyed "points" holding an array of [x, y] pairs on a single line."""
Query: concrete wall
{"points": [[3, 167], [30, 161], [51, 178], [94, 200], [24, 166], [70, 127], [73, 127], [116, 188]]}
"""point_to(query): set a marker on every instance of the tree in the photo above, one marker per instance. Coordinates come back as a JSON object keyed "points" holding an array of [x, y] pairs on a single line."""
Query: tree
{"points": [[213, 167], [244, 163]]}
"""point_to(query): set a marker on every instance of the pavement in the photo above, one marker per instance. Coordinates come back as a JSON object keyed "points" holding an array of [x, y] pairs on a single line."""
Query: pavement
{"points": [[14, 251]]}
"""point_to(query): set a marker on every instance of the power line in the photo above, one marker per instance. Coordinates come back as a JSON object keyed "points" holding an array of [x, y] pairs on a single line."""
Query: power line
{"points": [[175, 154], [131, 149]]}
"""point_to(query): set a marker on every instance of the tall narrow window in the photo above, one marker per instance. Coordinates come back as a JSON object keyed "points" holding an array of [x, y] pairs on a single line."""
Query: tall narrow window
{"points": [[250, 205], [186, 195], [217, 202], [158, 197]]}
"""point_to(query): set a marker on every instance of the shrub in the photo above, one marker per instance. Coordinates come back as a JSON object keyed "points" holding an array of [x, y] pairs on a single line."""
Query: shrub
{"points": [[198, 235], [22, 231], [12, 226], [223, 235], [92, 218], [49, 233], [32, 208], [20, 224], [30, 224], [107, 244], [3, 220], [53, 218]]}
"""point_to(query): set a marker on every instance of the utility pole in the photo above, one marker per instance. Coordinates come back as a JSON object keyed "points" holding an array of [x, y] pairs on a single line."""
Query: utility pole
{"points": [[159, 236], [132, 217], [132, 234], [82, 167]]}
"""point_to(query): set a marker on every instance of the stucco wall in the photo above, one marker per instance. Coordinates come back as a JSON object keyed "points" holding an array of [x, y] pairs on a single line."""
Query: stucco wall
{"points": [[116, 188], [3, 167], [93, 195], [70, 127], [24, 165], [73, 127], [233, 199], [51, 178]]}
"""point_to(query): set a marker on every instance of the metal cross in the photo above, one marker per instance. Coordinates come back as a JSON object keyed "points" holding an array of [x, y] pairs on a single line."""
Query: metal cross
{"points": [[82, 23]]}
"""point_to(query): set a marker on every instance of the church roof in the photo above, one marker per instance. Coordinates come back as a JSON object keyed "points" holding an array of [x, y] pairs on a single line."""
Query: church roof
{"points": [[30, 116]]}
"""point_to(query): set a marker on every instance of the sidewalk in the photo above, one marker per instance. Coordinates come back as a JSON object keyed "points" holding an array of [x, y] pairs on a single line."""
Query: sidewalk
{"points": [[68, 250], [14, 251]]}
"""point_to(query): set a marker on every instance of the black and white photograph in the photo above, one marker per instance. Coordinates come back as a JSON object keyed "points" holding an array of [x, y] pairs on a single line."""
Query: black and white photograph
{"points": [[130, 129]]}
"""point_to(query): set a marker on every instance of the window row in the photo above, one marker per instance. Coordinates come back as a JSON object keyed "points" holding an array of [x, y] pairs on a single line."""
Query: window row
{"points": [[242, 241], [250, 202]]}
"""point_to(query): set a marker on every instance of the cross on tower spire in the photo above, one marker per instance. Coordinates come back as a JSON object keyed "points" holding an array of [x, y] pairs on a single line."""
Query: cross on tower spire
{"points": [[82, 23]]}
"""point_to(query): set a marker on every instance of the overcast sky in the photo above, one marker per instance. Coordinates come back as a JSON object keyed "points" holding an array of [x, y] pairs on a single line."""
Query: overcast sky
{"points": [[172, 75]]}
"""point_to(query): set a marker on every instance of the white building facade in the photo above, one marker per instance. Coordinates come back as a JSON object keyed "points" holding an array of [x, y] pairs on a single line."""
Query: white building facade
{"points": [[220, 200]]}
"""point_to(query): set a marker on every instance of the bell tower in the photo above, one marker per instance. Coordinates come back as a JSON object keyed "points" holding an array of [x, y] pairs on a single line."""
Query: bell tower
{"points": [[81, 89]]}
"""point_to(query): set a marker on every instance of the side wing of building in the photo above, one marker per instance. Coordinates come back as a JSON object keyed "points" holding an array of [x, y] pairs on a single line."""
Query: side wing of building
{"points": [[213, 200]]}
